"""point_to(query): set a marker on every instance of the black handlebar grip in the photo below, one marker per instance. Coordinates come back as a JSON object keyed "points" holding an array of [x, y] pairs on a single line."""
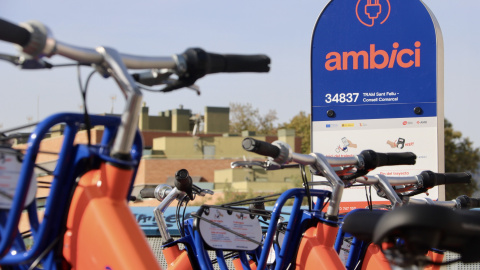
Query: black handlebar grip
{"points": [[374, 159], [260, 147], [147, 193], [199, 63], [13, 33], [431, 179], [475, 202], [466, 202], [388, 159], [237, 63], [183, 182]]}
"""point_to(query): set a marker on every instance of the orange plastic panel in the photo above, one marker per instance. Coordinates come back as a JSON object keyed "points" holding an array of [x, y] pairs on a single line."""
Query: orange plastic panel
{"points": [[101, 230], [316, 249], [237, 264], [374, 259], [176, 258]]}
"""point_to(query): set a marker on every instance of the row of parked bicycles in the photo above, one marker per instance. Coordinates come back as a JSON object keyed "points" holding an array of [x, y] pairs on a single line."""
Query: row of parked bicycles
{"points": [[87, 223]]}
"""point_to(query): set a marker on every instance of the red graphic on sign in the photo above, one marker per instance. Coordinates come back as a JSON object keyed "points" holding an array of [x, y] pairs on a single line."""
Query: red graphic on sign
{"points": [[371, 11]]}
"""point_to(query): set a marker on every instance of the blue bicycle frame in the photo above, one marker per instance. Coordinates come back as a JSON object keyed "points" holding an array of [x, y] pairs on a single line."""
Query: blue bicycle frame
{"points": [[357, 248], [299, 218], [73, 161]]}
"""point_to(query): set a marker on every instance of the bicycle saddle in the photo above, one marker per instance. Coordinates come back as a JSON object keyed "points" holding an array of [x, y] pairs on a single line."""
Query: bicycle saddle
{"points": [[361, 223]]}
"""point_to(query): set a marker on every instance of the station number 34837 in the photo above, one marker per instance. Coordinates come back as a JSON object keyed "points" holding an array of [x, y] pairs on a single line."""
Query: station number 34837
{"points": [[341, 98]]}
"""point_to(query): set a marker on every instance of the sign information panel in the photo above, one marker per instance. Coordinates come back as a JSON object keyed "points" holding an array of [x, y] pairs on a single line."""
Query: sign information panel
{"points": [[377, 83]]}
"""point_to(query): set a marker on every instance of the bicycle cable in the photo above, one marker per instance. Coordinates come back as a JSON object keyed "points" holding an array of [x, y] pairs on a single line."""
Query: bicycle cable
{"points": [[306, 186], [83, 91], [179, 222], [177, 217], [368, 194], [252, 200], [183, 215], [45, 252], [325, 203]]}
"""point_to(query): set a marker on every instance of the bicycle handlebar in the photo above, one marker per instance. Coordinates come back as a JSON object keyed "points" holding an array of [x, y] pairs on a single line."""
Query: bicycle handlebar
{"points": [[365, 162], [192, 64], [281, 153], [461, 202], [183, 184], [369, 158], [189, 66], [426, 179], [413, 184]]}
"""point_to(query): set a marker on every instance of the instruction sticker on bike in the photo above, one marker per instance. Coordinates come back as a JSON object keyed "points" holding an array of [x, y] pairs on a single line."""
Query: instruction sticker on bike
{"points": [[229, 230], [377, 83]]}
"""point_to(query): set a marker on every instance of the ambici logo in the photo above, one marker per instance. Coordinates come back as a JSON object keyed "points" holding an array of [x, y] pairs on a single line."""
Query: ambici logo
{"points": [[371, 12], [374, 58]]}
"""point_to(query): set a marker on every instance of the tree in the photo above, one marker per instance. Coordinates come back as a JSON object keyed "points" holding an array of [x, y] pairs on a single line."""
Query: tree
{"points": [[301, 124], [245, 117], [460, 156]]}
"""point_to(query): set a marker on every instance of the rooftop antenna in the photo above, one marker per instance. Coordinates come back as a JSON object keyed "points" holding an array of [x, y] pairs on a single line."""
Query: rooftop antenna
{"points": [[113, 98]]}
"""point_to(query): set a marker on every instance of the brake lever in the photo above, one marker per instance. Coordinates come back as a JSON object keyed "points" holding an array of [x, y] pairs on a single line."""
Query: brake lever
{"points": [[248, 164], [201, 192], [173, 84], [152, 77], [26, 63], [10, 58], [162, 76], [268, 165]]}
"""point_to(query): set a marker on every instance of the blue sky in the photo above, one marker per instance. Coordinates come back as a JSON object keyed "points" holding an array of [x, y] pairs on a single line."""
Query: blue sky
{"points": [[280, 29]]}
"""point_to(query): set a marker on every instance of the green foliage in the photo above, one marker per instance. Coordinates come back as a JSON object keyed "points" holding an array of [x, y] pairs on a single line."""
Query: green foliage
{"points": [[245, 117], [460, 156], [301, 124]]}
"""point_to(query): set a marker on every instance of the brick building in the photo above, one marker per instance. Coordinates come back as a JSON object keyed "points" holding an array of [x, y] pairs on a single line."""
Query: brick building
{"points": [[173, 140]]}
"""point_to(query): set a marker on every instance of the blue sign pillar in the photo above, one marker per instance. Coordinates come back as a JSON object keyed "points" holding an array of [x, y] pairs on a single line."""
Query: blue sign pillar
{"points": [[377, 82]]}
